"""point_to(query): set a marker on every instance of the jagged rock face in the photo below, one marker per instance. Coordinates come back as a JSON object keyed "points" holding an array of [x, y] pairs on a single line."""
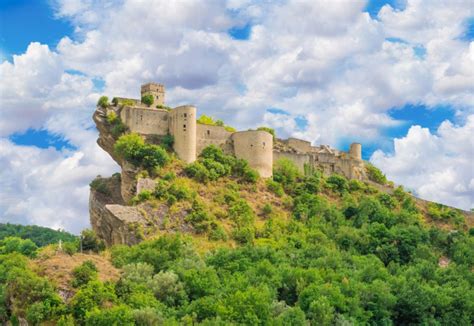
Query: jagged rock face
{"points": [[109, 222], [128, 185], [106, 141]]}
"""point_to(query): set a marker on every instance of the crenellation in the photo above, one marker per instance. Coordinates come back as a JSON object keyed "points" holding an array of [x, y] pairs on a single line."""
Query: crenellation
{"points": [[256, 146]]}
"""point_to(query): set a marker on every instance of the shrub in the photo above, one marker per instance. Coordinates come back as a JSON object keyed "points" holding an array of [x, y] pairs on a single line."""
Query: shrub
{"points": [[285, 172], [99, 185], [275, 187], [148, 99], [133, 149], [199, 218], [84, 273], [103, 102], [112, 117], [207, 120], [118, 315], [167, 142], [375, 174], [267, 209], [337, 183], [142, 196], [90, 241], [269, 130], [387, 200], [14, 244], [167, 288], [218, 233]]}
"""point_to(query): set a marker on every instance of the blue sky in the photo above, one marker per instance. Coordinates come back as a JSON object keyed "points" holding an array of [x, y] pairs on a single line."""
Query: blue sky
{"points": [[25, 21], [400, 82]]}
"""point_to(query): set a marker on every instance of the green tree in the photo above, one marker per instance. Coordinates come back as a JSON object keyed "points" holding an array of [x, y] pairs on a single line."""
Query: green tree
{"points": [[103, 102], [148, 99]]}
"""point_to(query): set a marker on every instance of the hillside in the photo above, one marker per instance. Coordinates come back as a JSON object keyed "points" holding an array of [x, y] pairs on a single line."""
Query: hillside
{"points": [[41, 236], [212, 243]]}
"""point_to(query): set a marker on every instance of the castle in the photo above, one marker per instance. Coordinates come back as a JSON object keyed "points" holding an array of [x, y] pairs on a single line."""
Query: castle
{"points": [[256, 146]]}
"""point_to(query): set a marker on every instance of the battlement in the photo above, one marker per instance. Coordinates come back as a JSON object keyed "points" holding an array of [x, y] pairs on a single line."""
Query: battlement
{"points": [[256, 146]]}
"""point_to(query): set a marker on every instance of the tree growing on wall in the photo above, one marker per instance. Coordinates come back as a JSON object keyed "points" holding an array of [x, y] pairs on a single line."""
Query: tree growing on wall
{"points": [[147, 99]]}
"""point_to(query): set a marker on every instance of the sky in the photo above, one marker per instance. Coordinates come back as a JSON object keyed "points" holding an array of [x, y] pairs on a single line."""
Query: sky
{"points": [[396, 76]]}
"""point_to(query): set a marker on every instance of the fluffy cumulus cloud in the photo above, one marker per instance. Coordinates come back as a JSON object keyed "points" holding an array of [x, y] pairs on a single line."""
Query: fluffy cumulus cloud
{"points": [[437, 166], [329, 64]]}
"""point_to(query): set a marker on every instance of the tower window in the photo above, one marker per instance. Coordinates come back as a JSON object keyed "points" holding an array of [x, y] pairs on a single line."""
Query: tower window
{"points": [[208, 132], [184, 126], [263, 144], [185, 115]]}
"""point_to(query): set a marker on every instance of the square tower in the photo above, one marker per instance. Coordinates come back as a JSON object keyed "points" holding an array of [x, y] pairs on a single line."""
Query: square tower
{"points": [[156, 90]]}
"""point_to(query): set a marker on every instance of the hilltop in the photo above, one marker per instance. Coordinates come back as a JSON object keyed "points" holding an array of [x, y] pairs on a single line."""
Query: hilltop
{"points": [[213, 242]]}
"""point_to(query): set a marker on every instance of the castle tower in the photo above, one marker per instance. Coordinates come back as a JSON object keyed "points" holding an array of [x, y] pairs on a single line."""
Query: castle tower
{"points": [[255, 146], [355, 151], [156, 90], [183, 128]]}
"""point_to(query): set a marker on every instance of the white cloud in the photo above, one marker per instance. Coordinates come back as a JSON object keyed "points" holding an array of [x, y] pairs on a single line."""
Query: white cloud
{"points": [[48, 187], [327, 62], [437, 166]]}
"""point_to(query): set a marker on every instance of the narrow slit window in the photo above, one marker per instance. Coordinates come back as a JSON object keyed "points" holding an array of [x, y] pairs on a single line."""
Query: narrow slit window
{"points": [[208, 132], [185, 115]]}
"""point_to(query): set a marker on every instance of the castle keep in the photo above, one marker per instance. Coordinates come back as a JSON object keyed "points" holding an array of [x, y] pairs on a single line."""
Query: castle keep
{"points": [[256, 146]]}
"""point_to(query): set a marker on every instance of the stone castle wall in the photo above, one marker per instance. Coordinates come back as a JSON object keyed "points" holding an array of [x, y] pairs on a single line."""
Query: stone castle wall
{"points": [[257, 147], [212, 135], [144, 120]]}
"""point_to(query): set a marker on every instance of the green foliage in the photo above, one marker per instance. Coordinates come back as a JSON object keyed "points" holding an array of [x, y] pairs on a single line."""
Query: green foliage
{"points": [[148, 99], [337, 183], [286, 173], [90, 241], [84, 273], [41, 236], [275, 187], [269, 130], [117, 126], [214, 164], [375, 174], [444, 213], [133, 149], [207, 120], [99, 185], [167, 142], [14, 244], [103, 102]]}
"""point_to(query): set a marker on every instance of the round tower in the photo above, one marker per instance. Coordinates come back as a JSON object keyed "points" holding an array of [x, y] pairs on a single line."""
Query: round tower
{"points": [[183, 128], [255, 146], [355, 151]]}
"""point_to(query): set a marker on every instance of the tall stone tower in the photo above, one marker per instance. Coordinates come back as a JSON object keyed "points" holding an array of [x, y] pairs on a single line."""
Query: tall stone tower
{"points": [[183, 129], [155, 90], [355, 151]]}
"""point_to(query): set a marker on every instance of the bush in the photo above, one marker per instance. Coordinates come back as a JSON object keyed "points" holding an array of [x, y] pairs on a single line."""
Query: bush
{"points": [[267, 209], [207, 120], [14, 244], [375, 174], [269, 130], [218, 233], [90, 241], [112, 117], [99, 185], [167, 288], [84, 273], [167, 142], [337, 183], [103, 102], [285, 172], [133, 149], [275, 187], [148, 99]]}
